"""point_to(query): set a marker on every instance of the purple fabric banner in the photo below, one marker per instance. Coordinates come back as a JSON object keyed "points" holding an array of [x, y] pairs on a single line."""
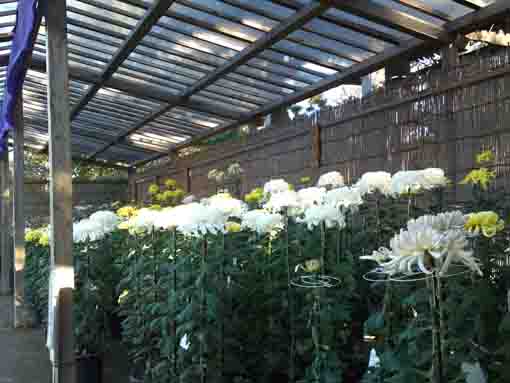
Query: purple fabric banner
{"points": [[27, 25]]}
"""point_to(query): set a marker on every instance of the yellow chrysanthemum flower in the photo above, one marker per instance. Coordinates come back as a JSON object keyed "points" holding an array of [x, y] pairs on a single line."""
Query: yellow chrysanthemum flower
{"points": [[312, 266], [123, 296], [233, 227], [33, 236], [44, 240], [170, 183], [153, 189], [305, 180], [488, 222], [484, 157], [124, 225], [482, 177], [254, 196], [127, 211]]}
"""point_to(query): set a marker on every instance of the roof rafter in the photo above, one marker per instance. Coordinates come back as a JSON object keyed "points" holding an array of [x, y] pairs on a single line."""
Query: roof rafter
{"points": [[468, 4], [137, 34], [426, 9], [463, 24], [286, 27], [391, 18]]}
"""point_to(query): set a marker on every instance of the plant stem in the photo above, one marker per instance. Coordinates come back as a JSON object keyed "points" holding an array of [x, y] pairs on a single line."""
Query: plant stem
{"points": [[437, 346]]}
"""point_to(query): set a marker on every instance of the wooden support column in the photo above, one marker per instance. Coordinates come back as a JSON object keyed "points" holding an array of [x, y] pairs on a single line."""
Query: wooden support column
{"points": [[18, 215], [5, 226], [61, 239], [131, 184], [448, 125], [316, 146], [188, 180]]}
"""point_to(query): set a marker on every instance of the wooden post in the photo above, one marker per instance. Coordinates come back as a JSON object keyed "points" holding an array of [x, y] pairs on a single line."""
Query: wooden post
{"points": [[19, 214], [61, 239], [188, 180], [132, 184], [5, 227], [316, 146]]}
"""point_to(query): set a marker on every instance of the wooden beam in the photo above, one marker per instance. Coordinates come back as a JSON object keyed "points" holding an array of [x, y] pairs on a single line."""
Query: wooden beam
{"points": [[468, 4], [5, 226], [278, 33], [426, 9], [391, 18], [151, 17], [61, 194], [409, 48], [18, 198]]}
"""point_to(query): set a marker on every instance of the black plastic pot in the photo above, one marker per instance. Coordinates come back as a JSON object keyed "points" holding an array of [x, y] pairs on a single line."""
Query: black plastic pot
{"points": [[116, 326], [137, 373], [89, 369]]}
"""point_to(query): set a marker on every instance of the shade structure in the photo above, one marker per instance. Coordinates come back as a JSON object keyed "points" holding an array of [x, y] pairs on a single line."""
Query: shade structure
{"points": [[150, 76]]}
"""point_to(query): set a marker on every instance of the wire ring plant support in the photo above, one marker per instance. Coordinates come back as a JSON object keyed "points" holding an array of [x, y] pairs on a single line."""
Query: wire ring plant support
{"points": [[315, 278]]}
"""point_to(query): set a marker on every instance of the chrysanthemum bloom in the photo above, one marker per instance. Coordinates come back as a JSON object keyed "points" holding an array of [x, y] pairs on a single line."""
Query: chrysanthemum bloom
{"points": [[233, 227], [33, 235], [262, 221], [231, 207], [329, 214], [276, 186], [311, 196], [430, 243], [255, 196], [127, 211], [372, 182], [487, 222], [484, 157], [345, 197], [282, 200], [153, 189], [482, 177], [331, 179]]}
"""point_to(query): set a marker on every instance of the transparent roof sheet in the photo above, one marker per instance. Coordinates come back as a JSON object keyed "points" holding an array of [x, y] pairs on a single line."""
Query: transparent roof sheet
{"points": [[134, 94]]}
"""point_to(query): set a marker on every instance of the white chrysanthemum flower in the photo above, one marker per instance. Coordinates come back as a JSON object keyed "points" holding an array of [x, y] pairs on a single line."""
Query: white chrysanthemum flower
{"points": [[429, 243], [189, 199], [283, 200], [144, 221], [107, 219], [372, 182], [262, 221], [331, 179], [231, 207], [276, 186], [432, 178], [185, 342], [317, 214], [442, 222], [311, 196], [199, 219], [88, 230], [346, 197], [410, 249], [456, 247], [380, 256], [405, 182]]}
